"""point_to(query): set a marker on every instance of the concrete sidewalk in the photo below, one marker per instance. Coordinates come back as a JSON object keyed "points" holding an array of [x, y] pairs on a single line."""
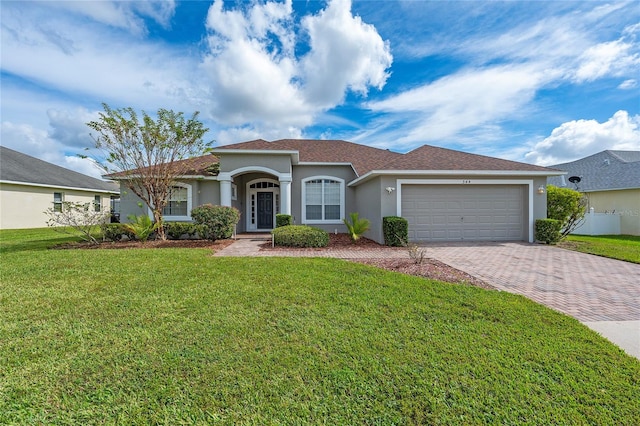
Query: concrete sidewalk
{"points": [[602, 293]]}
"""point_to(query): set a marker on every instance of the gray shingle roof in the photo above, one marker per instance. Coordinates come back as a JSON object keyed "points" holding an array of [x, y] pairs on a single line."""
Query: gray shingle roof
{"points": [[366, 159], [18, 167], [606, 170]]}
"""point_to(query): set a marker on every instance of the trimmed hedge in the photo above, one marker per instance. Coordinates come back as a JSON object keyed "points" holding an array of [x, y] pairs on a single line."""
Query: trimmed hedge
{"points": [[300, 236], [395, 230], [283, 220], [548, 230], [215, 222], [175, 230]]}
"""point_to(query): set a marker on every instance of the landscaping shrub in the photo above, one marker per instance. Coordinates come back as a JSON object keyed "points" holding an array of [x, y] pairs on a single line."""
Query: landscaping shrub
{"points": [[115, 231], [283, 220], [566, 205], [357, 227], [215, 222], [395, 230], [175, 230], [300, 236], [548, 230]]}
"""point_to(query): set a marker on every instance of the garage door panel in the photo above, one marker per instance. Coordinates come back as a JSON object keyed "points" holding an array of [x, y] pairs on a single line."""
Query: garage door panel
{"points": [[455, 212]]}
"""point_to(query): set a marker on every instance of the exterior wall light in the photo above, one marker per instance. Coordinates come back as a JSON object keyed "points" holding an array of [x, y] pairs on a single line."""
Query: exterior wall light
{"points": [[541, 189], [389, 189]]}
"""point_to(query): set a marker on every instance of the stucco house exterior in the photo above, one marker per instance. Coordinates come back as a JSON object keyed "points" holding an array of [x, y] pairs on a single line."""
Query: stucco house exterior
{"points": [[30, 186], [611, 182], [445, 195]]}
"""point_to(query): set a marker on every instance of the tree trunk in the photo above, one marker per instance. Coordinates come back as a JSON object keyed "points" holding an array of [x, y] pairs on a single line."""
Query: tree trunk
{"points": [[157, 218]]}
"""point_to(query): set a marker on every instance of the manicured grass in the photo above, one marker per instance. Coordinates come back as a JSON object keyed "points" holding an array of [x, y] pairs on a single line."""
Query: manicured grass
{"points": [[621, 247], [176, 336]]}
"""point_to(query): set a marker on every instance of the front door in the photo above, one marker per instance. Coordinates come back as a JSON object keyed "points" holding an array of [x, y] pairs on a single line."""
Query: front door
{"points": [[265, 210]]}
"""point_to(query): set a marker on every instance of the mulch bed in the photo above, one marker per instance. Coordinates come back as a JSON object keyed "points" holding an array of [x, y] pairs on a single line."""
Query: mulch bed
{"points": [[427, 268]]}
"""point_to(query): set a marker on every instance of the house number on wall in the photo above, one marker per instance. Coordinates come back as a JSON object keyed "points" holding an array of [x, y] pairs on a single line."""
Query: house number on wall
{"points": [[466, 180]]}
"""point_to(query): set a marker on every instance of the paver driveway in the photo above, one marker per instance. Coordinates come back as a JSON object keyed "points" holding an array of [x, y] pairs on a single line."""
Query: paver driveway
{"points": [[587, 287]]}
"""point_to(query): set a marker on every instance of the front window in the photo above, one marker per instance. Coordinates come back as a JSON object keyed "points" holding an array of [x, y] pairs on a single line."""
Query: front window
{"points": [[57, 202], [97, 203], [323, 200], [177, 204]]}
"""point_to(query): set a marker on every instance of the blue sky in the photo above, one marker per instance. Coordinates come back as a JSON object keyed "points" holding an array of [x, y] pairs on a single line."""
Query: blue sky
{"points": [[542, 82]]}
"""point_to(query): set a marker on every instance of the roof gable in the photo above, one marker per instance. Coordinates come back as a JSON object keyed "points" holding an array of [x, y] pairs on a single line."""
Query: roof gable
{"points": [[363, 158], [606, 170], [18, 167]]}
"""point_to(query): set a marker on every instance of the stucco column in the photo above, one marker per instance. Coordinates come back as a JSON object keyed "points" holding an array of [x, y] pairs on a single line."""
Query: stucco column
{"points": [[285, 196], [225, 190]]}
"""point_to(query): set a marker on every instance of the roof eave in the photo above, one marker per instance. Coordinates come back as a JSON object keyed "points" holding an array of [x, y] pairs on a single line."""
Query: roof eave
{"points": [[609, 189], [199, 177], [373, 173], [71, 188]]}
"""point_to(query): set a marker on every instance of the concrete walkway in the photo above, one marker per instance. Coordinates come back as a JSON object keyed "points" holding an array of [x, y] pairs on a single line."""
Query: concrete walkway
{"points": [[602, 293]]}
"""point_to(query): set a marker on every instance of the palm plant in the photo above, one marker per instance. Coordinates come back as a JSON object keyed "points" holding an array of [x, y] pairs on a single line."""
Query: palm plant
{"points": [[357, 227], [141, 226]]}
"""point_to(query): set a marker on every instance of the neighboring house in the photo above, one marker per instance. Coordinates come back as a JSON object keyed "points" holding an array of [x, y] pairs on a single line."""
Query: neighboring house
{"points": [[29, 186], [611, 182], [445, 195]]}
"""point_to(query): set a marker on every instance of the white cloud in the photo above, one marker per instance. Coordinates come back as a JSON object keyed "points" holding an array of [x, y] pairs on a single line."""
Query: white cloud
{"points": [[463, 100], [58, 51], [612, 58], [346, 54], [581, 138], [256, 77], [628, 84], [505, 73], [125, 15], [70, 128]]}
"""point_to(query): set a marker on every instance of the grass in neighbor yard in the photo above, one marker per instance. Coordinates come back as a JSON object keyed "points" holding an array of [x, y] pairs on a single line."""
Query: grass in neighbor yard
{"points": [[621, 247], [175, 336]]}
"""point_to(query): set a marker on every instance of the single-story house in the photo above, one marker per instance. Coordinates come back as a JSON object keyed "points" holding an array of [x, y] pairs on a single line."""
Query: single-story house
{"points": [[445, 195], [29, 186], [611, 182]]}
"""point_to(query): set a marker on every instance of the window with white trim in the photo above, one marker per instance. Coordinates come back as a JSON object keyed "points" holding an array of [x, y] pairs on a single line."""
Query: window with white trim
{"points": [[58, 199], [178, 202], [323, 200], [97, 203]]}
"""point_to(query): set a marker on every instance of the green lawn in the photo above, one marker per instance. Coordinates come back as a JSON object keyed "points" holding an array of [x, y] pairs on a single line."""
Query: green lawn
{"points": [[622, 247], [176, 336]]}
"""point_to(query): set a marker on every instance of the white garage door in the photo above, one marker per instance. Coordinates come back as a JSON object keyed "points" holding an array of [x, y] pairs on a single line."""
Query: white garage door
{"points": [[464, 212]]}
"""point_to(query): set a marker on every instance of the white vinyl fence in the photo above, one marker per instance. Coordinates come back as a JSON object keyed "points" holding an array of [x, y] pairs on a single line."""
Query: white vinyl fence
{"points": [[599, 224]]}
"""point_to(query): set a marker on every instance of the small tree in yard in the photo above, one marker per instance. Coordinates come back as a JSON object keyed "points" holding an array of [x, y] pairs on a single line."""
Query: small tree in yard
{"points": [[567, 206], [147, 154], [80, 219]]}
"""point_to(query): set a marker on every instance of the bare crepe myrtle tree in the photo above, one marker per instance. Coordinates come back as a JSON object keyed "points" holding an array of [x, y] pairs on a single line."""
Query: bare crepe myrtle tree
{"points": [[79, 219], [147, 154]]}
